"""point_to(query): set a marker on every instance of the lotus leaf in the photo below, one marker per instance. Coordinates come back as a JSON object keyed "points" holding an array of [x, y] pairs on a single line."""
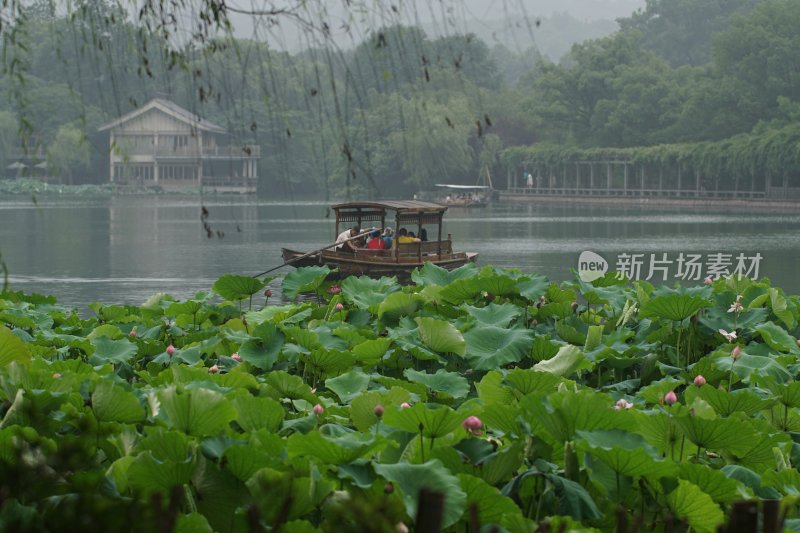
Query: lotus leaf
{"points": [[432, 475], [440, 336], [348, 386], [233, 287], [689, 502], [308, 279], [450, 383], [490, 347]]}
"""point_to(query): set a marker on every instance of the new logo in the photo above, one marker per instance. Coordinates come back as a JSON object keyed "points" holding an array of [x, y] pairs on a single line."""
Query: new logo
{"points": [[591, 266]]}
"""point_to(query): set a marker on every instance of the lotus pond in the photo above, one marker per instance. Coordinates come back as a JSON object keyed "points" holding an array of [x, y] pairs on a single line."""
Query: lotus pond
{"points": [[522, 401]]}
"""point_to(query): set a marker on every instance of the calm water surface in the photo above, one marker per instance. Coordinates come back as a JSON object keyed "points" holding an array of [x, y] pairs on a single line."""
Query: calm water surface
{"points": [[122, 250]]}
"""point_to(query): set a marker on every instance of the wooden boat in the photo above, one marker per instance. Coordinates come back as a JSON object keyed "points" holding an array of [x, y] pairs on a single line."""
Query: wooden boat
{"points": [[466, 195], [403, 258]]}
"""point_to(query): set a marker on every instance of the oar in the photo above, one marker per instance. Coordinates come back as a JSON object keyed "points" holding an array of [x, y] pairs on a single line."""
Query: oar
{"points": [[299, 257]]}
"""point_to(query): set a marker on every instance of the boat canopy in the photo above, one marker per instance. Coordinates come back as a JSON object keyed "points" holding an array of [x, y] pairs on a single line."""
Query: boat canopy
{"points": [[463, 187], [406, 212]]}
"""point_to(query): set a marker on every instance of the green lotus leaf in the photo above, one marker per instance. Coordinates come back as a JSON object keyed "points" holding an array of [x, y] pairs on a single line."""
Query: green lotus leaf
{"points": [[12, 348], [199, 412], [112, 403], [525, 381], [432, 420], [494, 314], [696, 507], [234, 287], [108, 351], [440, 336], [367, 293], [430, 274], [674, 304], [786, 481], [306, 279], [492, 506], [573, 500], [543, 348], [497, 284], [461, 290], [505, 418], [757, 452], [254, 413], [777, 338], [411, 478], [148, 474], [360, 473], [329, 361], [726, 403], [278, 492], [555, 310], [502, 465], [371, 351], [398, 304], [569, 333], [362, 410], [493, 391], [490, 347], [719, 487], [716, 434], [289, 386], [781, 309], [345, 448], [189, 307], [750, 366], [563, 413], [718, 317], [533, 287], [625, 453], [192, 523], [751, 480], [263, 348], [566, 361], [450, 383], [349, 385], [106, 330]]}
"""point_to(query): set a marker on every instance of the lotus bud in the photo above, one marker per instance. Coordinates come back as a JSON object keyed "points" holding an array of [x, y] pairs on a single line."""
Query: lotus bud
{"points": [[56, 376], [699, 380], [574, 307], [400, 527], [334, 289], [268, 293], [473, 424], [534, 322], [378, 410], [797, 342], [670, 398], [621, 404], [388, 488], [736, 353], [213, 369], [133, 333], [339, 306], [709, 280], [236, 357], [318, 409], [170, 350], [405, 405]]}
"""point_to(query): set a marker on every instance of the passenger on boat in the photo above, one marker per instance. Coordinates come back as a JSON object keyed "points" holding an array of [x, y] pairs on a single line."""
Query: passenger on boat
{"points": [[404, 237], [375, 241], [423, 235], [344, 245], [387, 238]]}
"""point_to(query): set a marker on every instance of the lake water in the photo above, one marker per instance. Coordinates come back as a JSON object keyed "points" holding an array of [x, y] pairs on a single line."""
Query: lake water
{"points": [[123, 249]]}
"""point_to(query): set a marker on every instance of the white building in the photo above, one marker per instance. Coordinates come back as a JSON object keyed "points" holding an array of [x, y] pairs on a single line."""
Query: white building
{"points": [[163, 145]]}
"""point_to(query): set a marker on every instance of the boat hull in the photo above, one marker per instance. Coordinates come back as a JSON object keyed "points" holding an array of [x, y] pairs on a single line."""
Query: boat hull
{"points": [[375, 266]]}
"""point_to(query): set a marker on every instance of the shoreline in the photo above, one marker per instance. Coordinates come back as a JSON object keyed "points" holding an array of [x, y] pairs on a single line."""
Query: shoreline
{"points": [[766, 204]]}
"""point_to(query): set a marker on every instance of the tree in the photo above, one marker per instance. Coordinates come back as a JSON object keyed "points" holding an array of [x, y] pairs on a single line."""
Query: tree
{"points": [[68, 153]]}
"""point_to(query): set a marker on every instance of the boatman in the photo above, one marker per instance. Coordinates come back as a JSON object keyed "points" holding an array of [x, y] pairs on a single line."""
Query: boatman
{"points": [[342, 242]]}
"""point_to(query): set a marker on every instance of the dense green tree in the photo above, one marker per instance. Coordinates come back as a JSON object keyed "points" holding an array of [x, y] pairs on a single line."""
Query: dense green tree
{"points": [[68, 154], [680, 30]]}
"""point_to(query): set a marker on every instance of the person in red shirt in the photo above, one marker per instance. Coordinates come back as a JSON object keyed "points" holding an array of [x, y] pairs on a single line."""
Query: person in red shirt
{"points": [[375, 242]]}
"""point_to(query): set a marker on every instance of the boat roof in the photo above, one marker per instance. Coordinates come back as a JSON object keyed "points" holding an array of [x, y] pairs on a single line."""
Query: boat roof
{"points": [[463, 187], [414, 206]]}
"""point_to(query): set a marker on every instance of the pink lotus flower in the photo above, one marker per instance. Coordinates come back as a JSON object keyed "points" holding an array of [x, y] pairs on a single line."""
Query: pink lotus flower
{"points": [[236, 357], [729, 336], [213, 369], [318, 409], [133, 333], [699, 380], [709, 280], [339, 306], [334, 289], [473, 424], [670, 398], [405, 405], [736, 353], [170, 349], [56, 376], [622, 403], [378, 410]]}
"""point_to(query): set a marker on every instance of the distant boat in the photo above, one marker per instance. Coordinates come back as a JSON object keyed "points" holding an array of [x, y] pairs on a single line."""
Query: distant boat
{"points": [[468, 195], [402, 258]]}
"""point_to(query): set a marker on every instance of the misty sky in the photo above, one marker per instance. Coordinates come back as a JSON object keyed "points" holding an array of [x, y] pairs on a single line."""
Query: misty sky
{"points": [[507, 21]]}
